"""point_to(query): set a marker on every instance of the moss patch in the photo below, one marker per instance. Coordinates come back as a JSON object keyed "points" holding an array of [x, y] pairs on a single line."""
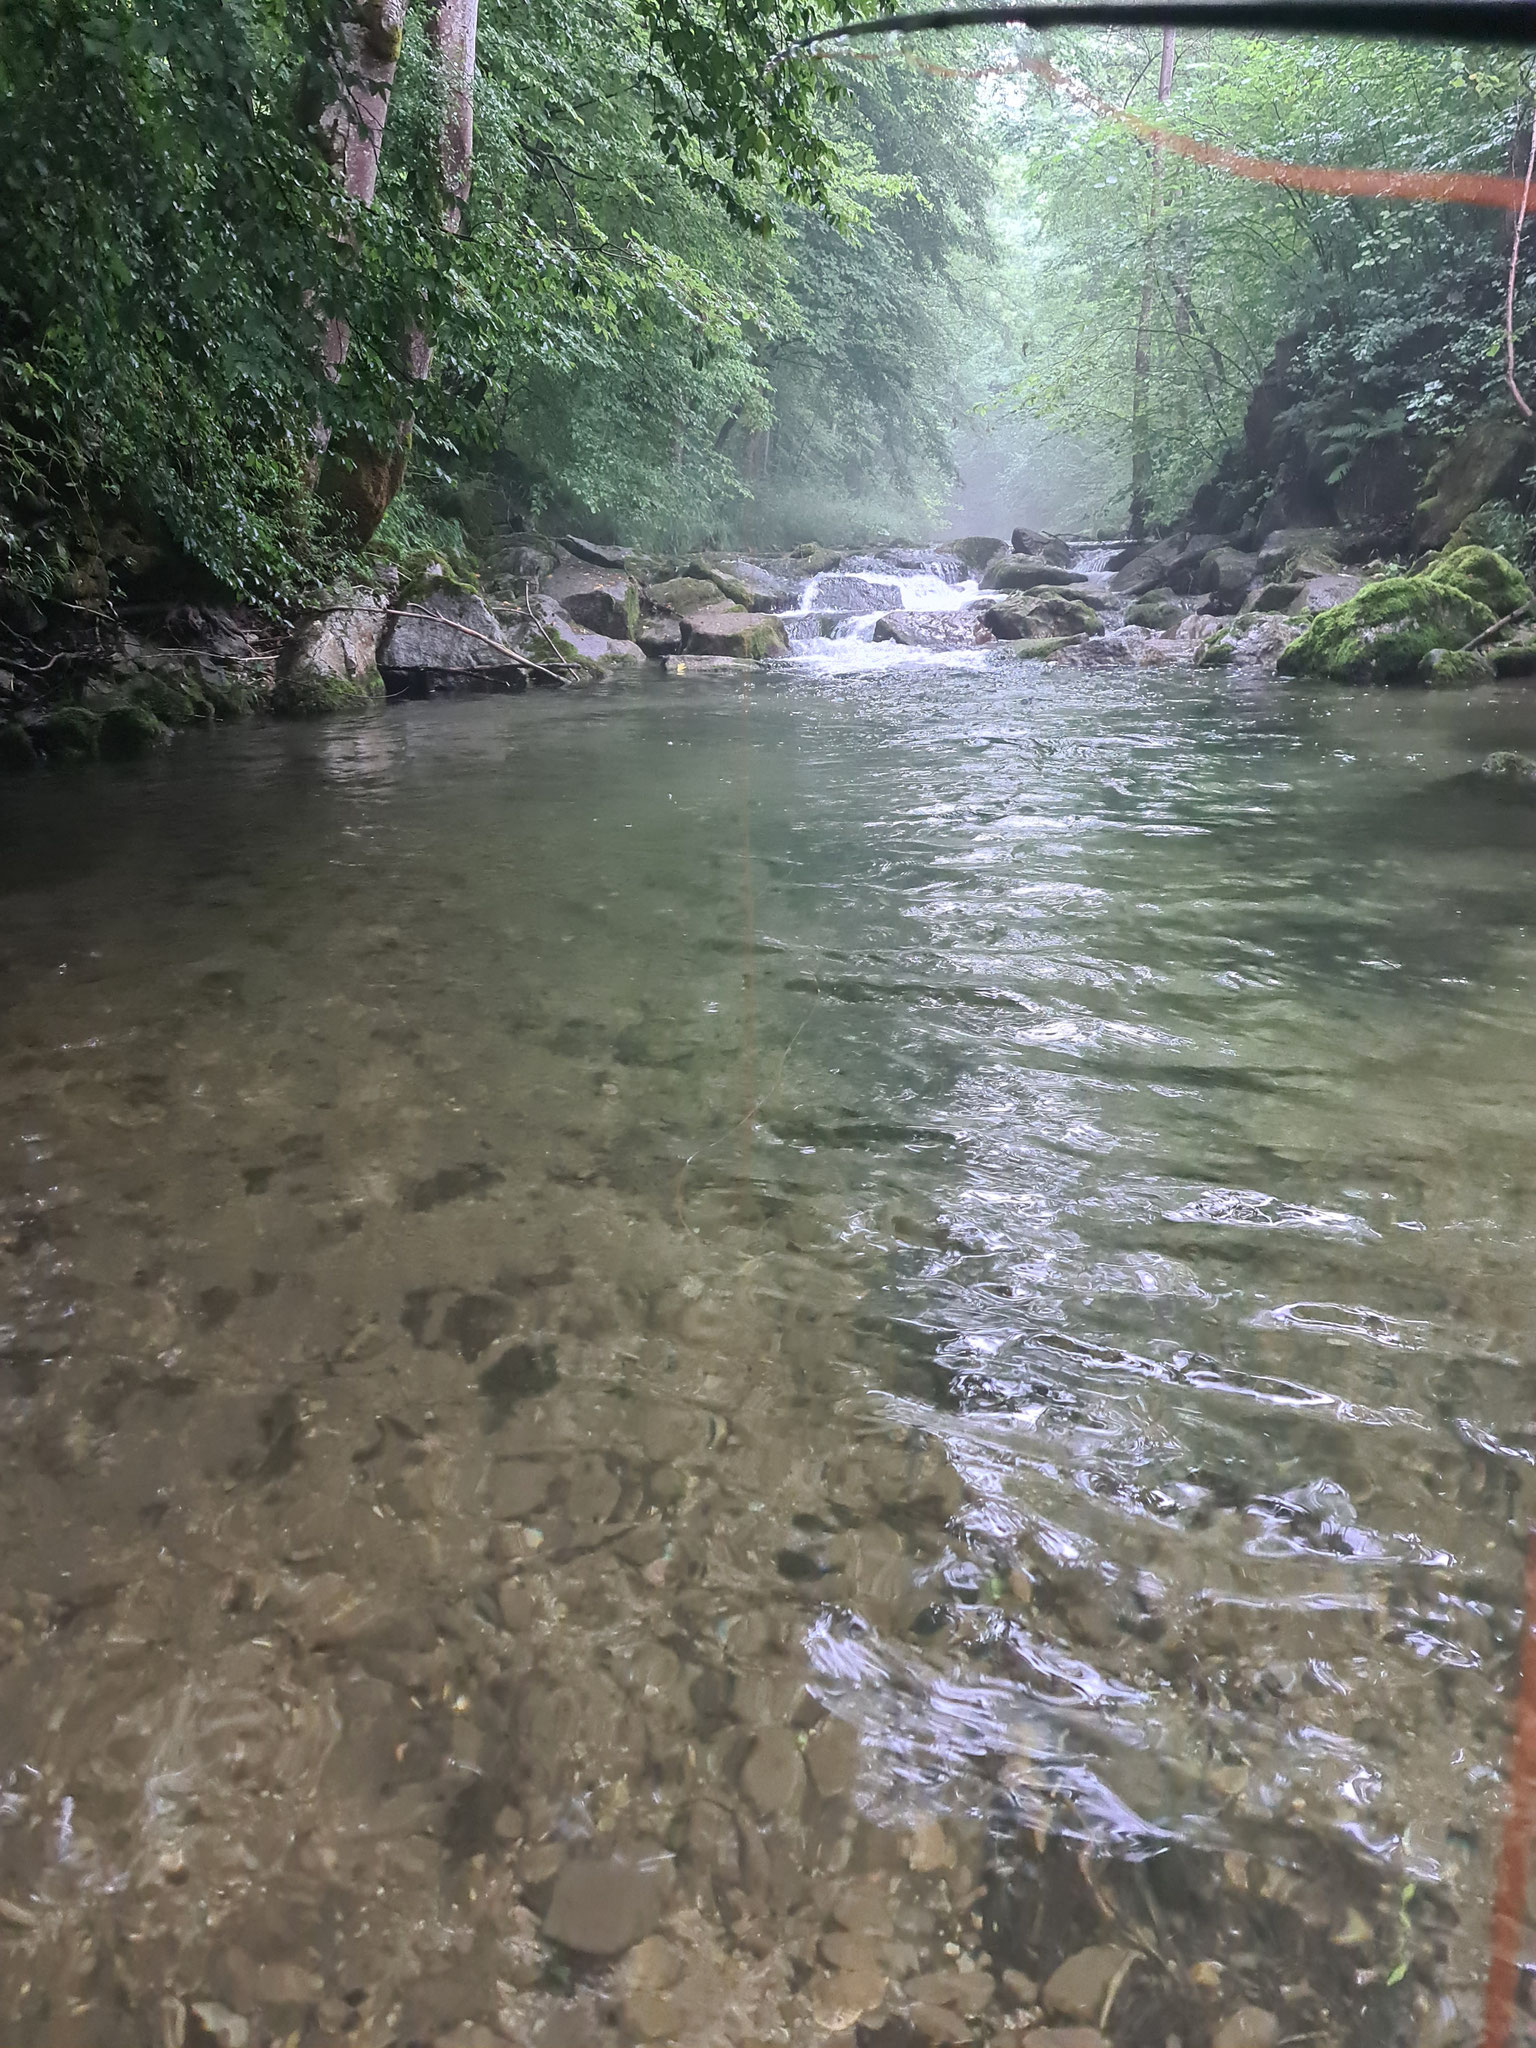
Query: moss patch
{"points": [[1485, 576], [308, 695], [69, 733], [1386, 633], [129, 731], [1457, 668], [1041, 650]]}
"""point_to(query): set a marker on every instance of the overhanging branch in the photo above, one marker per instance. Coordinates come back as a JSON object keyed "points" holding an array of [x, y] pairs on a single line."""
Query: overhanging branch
{"points": [[1452, 21]]}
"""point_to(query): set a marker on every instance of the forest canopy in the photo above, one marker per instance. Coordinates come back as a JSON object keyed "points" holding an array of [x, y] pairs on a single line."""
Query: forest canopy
{"points": [[686, 292]]}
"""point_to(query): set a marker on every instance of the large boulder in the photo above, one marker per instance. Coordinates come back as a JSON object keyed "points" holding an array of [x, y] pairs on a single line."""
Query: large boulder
{"points": [[1158, 612], [1487, 459], [840, 593], [1386, 634], [1048, 615], [332, 664], [1249, 642], [598, 602], [975, 550], [557, 650], [1225, 576], [749, 586], [660, 637], [516, 563], [1487, 576], [1293, 553], [1322, 593], [598, 553], [1045, 547], [681, 595], [1026, 572], [1144, 569], [742, 636], [448, 639], [937, 630]]}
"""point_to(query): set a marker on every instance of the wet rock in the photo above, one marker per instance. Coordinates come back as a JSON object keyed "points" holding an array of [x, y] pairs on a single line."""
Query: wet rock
{"points": [[1251, 2027], [1511, 771], [936, 630], [967, 1991], [864, 1907], [447, 637], [517, 1488], [602, 1906], [1322, 593], [930, 1848], [658, 638], [1043, 547], [1158, 612], [609, 605], [975, 550], [130, 731], [832, 1757], [714, 1847], [736, 635], [288, 1984], [1077, 1990], [849, 1952], [210, 2023], [1224, 576], [332, 664], [938, 2024], [1022, 572], [1385, 634], [841, 2000], [1022, 1991], [68, 733], [1065, 2037], [1457, 668], [515, 1605], [773, 1777], [601, 554], [522, 1371]]}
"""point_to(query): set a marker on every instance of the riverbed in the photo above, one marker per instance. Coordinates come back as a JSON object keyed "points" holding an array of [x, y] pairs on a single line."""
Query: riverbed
{"points": [[724, 1361]]}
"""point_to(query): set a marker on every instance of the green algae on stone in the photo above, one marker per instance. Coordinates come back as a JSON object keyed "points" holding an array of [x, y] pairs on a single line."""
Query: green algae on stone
{"points": [[174, 694], [1041, 650], [1385, 634], [130, 731]]}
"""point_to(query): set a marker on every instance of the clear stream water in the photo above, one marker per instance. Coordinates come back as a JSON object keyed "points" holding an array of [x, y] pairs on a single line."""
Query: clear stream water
{"points": [[887, 1311]]}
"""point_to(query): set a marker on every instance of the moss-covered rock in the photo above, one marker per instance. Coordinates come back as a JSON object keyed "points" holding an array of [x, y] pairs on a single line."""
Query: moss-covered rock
{"points": [[1042, 650], [174, 694], [1512, 773], [744, 636], [129, 731], [1158, 612], [17, 753], [306, 693], [1385, 634], [1515, 659], [68, 733], [1457, 668], [1483, 575]]}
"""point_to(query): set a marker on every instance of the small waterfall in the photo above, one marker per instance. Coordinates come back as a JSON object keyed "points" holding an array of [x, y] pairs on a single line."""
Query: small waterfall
{"points": [[1095, 560]]}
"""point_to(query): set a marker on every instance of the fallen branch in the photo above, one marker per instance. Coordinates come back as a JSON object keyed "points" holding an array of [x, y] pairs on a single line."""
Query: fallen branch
{"points": [[516, 657], [1497, 627]]}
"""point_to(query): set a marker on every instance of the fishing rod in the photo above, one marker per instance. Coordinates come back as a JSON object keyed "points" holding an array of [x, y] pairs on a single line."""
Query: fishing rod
{"points": [[1451, 21]]}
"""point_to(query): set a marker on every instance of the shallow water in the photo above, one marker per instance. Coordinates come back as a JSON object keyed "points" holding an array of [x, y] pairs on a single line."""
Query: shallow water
{"points": [[893, 1304]]}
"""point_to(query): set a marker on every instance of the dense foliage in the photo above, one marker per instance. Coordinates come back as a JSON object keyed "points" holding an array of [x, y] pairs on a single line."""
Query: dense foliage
{"points": [[1401, 304], [687, 275]]}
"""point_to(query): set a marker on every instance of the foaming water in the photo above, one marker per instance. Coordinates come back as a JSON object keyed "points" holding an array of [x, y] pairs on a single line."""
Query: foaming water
{"points": [[894, 1245]]}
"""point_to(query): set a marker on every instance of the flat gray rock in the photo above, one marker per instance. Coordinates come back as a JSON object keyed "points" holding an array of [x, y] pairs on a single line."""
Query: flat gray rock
{"points": [[602, 1906]]}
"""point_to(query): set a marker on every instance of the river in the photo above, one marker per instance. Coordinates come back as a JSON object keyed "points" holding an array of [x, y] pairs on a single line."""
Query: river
{"points": [[679, 1359]]}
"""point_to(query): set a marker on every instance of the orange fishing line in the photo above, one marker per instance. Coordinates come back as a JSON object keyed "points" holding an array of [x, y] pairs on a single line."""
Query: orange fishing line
{"points": [[1453, 188]]}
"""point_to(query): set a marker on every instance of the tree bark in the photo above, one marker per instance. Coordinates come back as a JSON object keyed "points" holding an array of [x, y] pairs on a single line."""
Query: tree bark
{"points": [[1141, 385], [452, 31]]}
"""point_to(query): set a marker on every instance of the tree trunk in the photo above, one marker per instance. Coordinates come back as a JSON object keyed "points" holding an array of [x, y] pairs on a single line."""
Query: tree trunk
{"points": [[452, 30], [1141, 386]]}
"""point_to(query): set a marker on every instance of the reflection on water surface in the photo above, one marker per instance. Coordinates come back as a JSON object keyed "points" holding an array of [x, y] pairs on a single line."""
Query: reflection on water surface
{"points": [[719, 1365]]}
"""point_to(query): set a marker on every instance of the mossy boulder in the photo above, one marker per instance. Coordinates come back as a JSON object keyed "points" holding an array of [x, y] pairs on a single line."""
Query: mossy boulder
{"points": [[129, 732], [174, 694], [1515, 660], [744, 636], [1386, 633], [681, 595], [1484, 575], [68, 733], [1042, 650], [1457, 668], [1158, 612], [308, 694], [17, 753], [1511, 773]]}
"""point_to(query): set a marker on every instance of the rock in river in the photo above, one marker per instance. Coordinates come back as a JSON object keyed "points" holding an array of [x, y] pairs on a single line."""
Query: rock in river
{"points": [[1079, 1988], [448, 637], [743, 636], [773, 1776], [603, 1905], [332, 663]]}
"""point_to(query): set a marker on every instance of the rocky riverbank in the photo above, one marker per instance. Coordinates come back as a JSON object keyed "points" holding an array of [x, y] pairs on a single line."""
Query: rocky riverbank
{"points": [[546, 613]]}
